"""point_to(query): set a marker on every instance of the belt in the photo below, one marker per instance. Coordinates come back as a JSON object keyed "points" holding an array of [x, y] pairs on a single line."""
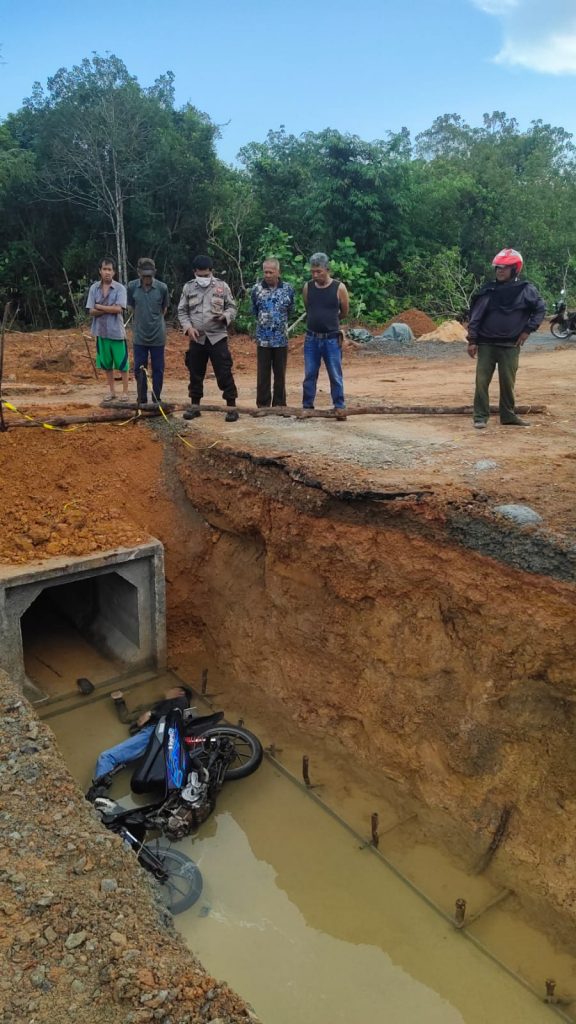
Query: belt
{"points": [[322, 337]]}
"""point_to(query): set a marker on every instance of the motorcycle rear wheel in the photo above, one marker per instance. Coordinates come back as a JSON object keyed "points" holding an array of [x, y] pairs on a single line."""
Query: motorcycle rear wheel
{"points": [[560, 330], [248, 752], [178, 877]]}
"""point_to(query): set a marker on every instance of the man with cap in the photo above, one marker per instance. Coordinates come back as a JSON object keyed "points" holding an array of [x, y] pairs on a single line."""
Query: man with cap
{"points": [[502, 316], [148, 297], [205, 311]]}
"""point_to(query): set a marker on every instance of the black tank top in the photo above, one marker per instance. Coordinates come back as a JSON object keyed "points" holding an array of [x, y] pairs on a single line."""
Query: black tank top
{"points": [[323, 308]]}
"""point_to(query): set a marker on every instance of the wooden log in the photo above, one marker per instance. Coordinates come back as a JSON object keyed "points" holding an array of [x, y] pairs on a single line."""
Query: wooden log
{"points": [[116, 415], [368, 410], [124, 412]]}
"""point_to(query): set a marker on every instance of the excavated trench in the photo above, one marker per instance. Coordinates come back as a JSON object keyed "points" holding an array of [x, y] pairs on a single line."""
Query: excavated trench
{"points": [[427, 644], [421, 655]]}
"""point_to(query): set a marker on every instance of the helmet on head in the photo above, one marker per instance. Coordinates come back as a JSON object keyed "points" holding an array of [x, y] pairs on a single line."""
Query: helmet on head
{"points": [[509, 258]]}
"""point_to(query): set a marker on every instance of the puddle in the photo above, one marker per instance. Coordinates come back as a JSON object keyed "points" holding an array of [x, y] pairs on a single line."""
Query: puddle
{"points": [[305, 924]]}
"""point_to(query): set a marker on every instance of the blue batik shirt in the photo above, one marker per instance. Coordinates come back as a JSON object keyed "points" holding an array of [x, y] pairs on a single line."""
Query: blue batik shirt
{"points": [[272, 307]]}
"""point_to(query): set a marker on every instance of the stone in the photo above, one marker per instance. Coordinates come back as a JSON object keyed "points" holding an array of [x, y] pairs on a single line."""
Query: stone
{"points": [[75, 939], [484, 464], [108, 885], [118, 938], [38, 977], [77, 987], [521, 514], [45, 900]]}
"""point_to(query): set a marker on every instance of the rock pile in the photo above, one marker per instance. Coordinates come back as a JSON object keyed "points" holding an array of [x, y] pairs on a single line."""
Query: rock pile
{"points": [[418, 322], [450, 330]]}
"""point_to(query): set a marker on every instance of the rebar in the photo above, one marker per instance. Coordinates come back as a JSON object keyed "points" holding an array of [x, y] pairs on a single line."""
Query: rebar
{"points": [[305, 771], [459, 912], [204, 682], [374, 830]]}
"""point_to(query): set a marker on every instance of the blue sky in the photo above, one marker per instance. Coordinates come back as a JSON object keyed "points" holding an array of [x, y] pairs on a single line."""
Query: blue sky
{"points": [[361, 66]]}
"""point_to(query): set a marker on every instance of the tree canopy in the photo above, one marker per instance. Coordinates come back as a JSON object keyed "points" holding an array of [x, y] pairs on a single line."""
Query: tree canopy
{"points": [[95, 163]]}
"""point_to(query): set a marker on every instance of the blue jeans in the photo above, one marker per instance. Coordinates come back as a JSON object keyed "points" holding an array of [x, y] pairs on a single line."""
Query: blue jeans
{"points": [[156, 353], [316, 350], [123, 753]]}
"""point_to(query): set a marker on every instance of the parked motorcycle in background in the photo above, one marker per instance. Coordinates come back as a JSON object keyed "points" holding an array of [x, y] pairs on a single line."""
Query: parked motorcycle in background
{"points": [[563, 323]]}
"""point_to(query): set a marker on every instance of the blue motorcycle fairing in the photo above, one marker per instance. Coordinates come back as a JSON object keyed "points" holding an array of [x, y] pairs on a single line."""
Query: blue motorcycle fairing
{"points": [[164, 761]]}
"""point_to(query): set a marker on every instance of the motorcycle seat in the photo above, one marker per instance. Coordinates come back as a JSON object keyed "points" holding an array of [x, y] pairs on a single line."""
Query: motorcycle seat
{"points": [[196, 726]]}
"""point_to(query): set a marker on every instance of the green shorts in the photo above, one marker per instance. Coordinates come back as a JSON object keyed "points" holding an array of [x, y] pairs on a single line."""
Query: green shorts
{"points": [[112, 354]]}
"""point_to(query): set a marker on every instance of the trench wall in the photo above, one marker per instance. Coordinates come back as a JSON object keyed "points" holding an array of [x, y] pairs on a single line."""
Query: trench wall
{"points": [[447, 668]]}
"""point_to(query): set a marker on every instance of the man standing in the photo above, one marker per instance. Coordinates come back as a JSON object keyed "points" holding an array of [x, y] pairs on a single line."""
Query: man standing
{"points": [[205, 311], [106, 304], [326, 301], [503, 314], [272, 304], [148, 297]]}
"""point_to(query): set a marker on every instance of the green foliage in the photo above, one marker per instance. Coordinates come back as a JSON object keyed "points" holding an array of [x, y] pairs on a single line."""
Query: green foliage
{"points": [[438, 283], [95, 163]]}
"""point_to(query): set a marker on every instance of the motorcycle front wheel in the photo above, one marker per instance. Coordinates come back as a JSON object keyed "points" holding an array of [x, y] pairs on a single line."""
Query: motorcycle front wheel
{"points": [[560, 329], [179, 878], [248, 751]]}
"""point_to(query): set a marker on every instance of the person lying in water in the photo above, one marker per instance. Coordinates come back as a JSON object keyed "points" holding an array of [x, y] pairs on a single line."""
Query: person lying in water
{"points": [[142, 725]]}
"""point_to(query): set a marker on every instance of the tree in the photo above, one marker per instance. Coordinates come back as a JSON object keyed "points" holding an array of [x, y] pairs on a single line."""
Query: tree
{"points": [[97, 133]]}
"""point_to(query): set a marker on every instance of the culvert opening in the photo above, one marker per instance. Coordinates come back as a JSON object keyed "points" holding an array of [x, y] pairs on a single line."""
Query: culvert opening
{"points": [[80, 629], [96, 617]]}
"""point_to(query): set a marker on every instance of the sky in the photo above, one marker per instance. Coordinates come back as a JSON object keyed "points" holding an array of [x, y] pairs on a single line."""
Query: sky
{"points": [[362, 66]]}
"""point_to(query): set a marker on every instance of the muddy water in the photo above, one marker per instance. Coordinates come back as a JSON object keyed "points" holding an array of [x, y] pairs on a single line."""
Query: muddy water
{"points": [[304, 923]]}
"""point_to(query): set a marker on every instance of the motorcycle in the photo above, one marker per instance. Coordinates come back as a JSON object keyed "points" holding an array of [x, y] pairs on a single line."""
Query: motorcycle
{"points": [[186, 763], [563, 323], [178, 876]]}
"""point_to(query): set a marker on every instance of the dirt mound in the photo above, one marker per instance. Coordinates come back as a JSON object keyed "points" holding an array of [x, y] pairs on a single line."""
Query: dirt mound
{"points": [[419, 323], [450, 330], [59, 361]]}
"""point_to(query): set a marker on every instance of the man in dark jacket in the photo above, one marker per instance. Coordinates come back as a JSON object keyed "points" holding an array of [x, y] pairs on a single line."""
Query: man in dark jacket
{"points": [[503, 315], [115, 758]]}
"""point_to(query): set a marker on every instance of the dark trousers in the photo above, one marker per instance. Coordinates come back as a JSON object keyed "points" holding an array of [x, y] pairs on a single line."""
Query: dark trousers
{"points": [[156, 353], [487, 359], [271, 360], [196, 360]]}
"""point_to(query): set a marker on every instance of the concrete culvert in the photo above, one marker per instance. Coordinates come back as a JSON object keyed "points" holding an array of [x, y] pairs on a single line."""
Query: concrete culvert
{"points": [[96, 616]]}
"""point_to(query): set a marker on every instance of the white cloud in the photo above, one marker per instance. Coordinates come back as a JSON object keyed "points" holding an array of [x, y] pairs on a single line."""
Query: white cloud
{"points": [[538, 34]]}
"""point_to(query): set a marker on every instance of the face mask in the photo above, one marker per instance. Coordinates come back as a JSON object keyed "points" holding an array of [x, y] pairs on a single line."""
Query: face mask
{"points": [[203, 281]]}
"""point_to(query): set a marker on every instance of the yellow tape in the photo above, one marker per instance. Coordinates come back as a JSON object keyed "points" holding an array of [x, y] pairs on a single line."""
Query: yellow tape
{"points": [[194, 447], [50, 426], [47, 426]]}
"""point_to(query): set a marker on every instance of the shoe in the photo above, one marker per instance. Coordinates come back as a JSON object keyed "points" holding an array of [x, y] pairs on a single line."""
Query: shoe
{"points": [[99, 787], [515, 423], [109, 400], [340, 415], [480, 424], [232, 415], [192, 413], [84, 685]]}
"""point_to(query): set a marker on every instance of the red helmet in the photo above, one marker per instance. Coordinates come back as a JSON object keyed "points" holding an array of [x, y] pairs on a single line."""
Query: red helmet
{"points": [[509, 258]]}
